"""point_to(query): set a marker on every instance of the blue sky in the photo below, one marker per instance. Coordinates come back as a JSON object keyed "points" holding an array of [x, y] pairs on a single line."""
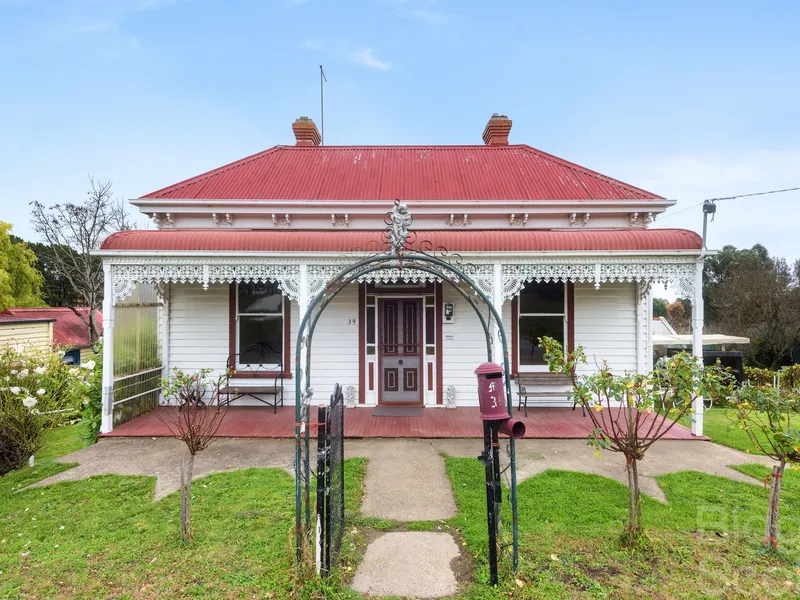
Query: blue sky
{"points": [[687, 99]]}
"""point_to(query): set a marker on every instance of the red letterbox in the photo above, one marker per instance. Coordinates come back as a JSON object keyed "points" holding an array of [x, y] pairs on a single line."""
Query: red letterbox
{"points": [[492, 399], [491, 392]]}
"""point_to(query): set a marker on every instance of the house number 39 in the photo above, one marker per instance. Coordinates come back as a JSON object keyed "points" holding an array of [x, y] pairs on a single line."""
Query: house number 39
{"points": [[351, 321]]}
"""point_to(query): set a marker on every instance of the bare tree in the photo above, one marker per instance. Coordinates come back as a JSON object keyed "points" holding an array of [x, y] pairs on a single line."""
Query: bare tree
{"points": [[73, 231], [195, 422]]}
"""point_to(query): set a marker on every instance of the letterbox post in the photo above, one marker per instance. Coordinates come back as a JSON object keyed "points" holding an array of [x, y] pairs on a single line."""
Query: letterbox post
{"points": [[495, 416]]}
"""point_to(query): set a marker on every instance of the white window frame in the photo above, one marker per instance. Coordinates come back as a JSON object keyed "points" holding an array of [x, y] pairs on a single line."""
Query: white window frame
{"points": [[281, 316], [537, 368]]}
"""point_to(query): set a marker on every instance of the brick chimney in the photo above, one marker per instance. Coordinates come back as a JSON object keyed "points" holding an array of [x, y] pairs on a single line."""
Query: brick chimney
{"points": [[497, 130], [305, 132]]}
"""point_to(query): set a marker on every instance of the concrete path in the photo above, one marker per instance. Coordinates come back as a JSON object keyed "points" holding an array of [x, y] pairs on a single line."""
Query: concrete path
{"points": [[400, 460], [536, 456], [406, 480], [160, 458], [412, 564]]}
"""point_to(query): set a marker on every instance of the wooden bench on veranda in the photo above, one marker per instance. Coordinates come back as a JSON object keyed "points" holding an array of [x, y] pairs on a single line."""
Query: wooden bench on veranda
{"points": [[540, 386]]}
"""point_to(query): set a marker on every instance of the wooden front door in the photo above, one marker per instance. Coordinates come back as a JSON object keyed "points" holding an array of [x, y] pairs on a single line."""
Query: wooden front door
{"points": [[400, 351]]}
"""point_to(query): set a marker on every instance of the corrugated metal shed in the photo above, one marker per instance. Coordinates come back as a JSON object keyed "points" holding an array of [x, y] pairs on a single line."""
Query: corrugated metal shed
{"points": [[516, 172], [457, 241]]}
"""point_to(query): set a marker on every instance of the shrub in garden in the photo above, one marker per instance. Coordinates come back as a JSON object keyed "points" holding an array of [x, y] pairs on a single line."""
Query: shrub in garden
{"points": [[790, 377], [758, 376], [769, 417], [92, 412], [631, 412], [37, 391]]}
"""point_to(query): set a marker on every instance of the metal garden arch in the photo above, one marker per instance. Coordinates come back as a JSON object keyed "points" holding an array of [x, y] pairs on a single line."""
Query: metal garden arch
{"points": [[398, 254]]}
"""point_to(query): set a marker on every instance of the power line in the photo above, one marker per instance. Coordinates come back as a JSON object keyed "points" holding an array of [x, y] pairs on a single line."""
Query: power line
{"points": [[722, 198]]}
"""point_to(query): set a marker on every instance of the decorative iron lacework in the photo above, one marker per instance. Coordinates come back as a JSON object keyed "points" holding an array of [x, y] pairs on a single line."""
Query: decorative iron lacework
{"points": [[320, 275], [645, 270], [160, 271], [286, 276]]}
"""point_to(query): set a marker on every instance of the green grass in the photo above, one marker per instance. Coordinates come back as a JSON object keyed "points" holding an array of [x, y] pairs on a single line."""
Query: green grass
{"points": [[58, 442], [105, 537], [720, 430], [117, 542], [704, 543]]}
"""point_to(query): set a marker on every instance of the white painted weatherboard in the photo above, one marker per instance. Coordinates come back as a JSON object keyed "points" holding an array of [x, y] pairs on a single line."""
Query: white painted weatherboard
{"points": [[605, 325], [334, 348], [198, 327], [463, 349]]}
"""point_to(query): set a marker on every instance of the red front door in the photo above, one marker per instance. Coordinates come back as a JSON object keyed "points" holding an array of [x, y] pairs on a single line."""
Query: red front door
{"points": [[400, 351]]}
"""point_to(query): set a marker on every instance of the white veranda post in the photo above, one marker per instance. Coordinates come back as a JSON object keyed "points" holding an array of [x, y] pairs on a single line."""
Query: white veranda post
{"points": [[497, 301], [697, 340], [302, 304], [107, 422]]}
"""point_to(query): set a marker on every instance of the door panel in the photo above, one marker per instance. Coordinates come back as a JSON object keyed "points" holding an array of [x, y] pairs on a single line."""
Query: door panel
{"points": [[400, 350]]}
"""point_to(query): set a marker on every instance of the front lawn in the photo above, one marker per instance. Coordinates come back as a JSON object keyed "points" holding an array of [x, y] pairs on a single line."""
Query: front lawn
{"points": [[720, 430], [704, 543], [105, 537]]}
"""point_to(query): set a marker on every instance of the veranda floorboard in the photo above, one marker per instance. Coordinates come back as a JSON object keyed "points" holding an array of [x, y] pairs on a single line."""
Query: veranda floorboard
{"points": [[462, 422]]}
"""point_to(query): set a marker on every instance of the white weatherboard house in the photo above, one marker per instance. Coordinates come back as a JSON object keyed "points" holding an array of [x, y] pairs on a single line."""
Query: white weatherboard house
{"points": [[240, 251]]}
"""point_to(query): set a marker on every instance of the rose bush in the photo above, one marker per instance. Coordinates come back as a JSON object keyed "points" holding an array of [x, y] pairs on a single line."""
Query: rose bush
{"points": [[38, 390]]}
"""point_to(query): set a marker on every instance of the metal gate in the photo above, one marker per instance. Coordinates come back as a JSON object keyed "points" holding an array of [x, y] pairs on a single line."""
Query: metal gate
{"points": [[330, 481], [399, 251]]}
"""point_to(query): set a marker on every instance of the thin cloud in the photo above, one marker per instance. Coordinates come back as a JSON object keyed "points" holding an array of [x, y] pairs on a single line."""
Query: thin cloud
{"points": [[423, 11], [313, 45], [367, 59], [428, 16]]}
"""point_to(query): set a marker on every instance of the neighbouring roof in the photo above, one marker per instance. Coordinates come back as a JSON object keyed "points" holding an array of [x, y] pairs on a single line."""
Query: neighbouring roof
{"points": [[410, 173], [662, 327], [10, 319], [68, 329], [709, 339], [455, 241]]}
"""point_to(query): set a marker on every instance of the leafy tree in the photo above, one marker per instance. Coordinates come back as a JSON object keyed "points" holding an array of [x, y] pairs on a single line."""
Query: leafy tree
{"points": [[633, 411], [720, 267], [679, 315], [20, 282], [758, 297], [659, 307], [769, 417], [73, 231], [56, 290]]}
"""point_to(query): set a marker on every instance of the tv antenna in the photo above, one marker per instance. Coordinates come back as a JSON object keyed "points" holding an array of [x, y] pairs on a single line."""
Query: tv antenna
{"points": [[322, 79]]}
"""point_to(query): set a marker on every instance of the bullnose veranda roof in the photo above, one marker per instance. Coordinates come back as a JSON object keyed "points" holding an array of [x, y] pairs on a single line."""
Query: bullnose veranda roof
{"points": [[201, 240], [410, 173]]}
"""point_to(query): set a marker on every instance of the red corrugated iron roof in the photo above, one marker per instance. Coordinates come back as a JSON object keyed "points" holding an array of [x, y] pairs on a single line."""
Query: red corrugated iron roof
{"points": [[516, 172], [456, 241], [68, 329]]}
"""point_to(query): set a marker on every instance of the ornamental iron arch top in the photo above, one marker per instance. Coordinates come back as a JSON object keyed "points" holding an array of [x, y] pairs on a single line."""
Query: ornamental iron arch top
{"points": [[400, 251]]}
